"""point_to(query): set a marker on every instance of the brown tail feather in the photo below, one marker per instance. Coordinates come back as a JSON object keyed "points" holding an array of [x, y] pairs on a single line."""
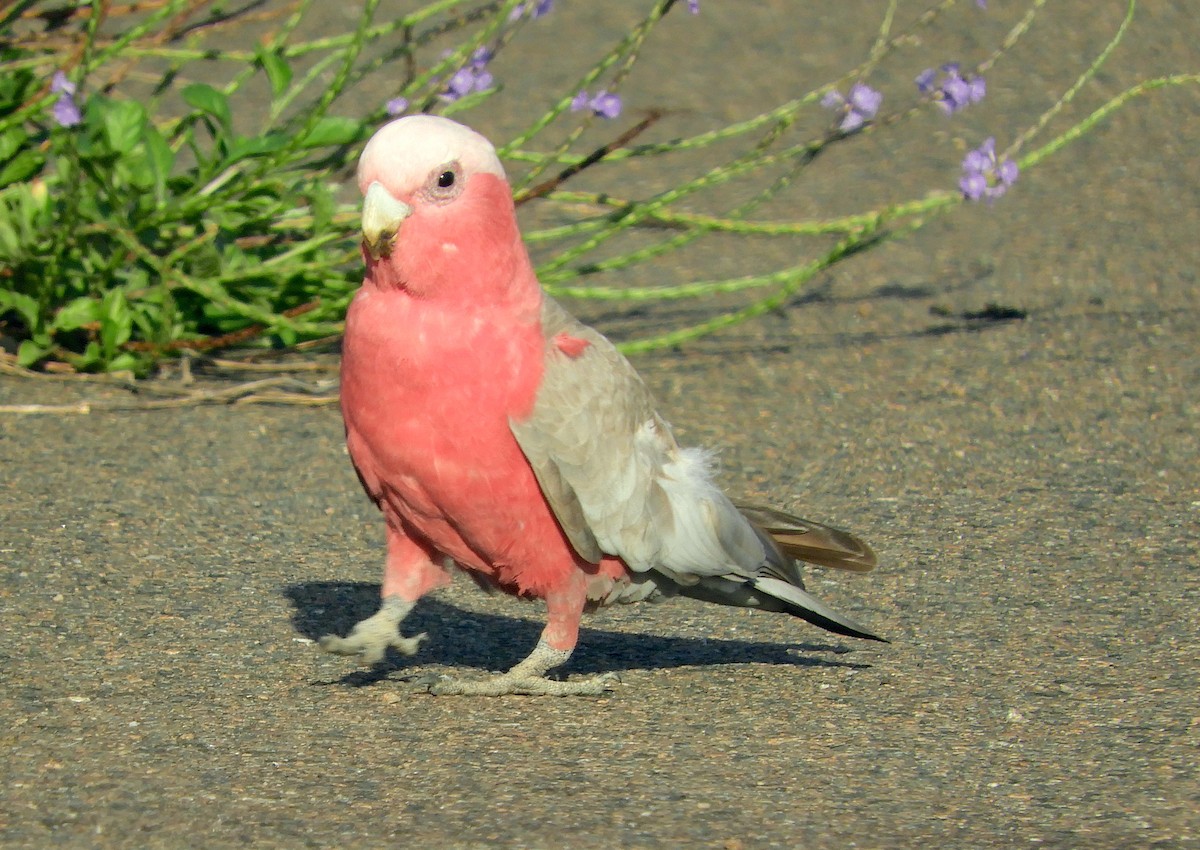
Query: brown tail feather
{"points": [[812, 542]]}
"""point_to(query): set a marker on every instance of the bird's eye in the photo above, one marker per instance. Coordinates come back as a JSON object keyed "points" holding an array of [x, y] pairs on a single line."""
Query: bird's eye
{"points": [[445, 183]]}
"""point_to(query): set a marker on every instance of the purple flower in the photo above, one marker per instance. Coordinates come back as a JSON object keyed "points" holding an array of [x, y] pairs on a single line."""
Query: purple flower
{"points": [[65, 111], [605, 104], [949, 89], [474, 77], [860, 106], [982, 4], [396, 106], [536, 9], [59, 84], [694, 6], [985, 177]]}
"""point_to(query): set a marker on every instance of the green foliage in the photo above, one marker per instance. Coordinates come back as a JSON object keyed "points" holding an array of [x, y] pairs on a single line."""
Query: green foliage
{"points": [[181, 212], [134, 233]]}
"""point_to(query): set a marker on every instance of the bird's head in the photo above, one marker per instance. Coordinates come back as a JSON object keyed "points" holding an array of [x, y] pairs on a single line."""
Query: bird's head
{"points": [[437, 208]]}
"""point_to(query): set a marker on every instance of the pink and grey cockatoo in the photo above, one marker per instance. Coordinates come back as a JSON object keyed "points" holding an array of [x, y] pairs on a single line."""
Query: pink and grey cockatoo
{"points": [[493, 429]]}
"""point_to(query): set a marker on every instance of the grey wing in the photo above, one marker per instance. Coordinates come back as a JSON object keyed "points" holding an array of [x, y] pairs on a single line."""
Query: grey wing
{"points": [[613, 473], [619, 484]]}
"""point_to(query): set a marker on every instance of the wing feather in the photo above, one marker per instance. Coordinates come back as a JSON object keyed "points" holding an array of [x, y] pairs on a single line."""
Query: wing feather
{"points": [[614, 475], [619, 484]]}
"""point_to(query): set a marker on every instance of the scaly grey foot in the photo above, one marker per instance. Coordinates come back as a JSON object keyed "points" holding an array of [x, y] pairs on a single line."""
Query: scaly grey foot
{"points": [[526, 678], [506, 683], [370, 638]]}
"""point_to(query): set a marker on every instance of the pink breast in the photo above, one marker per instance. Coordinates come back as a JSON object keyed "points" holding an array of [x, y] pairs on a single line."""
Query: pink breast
{"points": [[428, 431]]}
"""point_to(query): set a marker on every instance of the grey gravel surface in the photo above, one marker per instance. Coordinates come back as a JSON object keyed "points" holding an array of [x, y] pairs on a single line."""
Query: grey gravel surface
{"points": [[1032, 489]]}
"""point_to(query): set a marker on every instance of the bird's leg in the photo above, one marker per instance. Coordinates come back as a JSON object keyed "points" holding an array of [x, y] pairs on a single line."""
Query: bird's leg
{"points": [[370, 638], [564, 609], [409, 574]]}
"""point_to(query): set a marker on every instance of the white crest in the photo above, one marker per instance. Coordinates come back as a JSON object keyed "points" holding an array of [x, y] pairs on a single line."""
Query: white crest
{"points": [[403, 152]]}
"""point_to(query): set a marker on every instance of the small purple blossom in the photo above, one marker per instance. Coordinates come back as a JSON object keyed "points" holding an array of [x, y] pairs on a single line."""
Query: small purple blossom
{"points": [[65, 111], [396, 106], [474, 77], [59, 84], [693, 6], [860, 106], [605, 103], [982, 4], [534, 9], [950, 89], [985, 177]]}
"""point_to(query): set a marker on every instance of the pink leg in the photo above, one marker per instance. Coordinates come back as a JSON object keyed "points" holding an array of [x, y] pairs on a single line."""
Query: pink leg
{"points": [[411, 570], [564, 607], [409, 574]]}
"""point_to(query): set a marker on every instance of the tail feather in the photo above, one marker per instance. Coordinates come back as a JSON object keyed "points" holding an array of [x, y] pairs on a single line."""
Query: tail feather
{"points": [[805, 540], [768, 594], [801, 603], [777, 583]]}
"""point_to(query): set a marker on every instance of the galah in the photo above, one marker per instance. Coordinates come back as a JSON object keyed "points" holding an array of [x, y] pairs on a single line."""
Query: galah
{"points": [[495, 431]]}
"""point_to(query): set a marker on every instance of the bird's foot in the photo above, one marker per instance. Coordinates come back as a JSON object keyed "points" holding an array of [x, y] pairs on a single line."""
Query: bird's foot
{"points": [[513, 682], [370, 638]]}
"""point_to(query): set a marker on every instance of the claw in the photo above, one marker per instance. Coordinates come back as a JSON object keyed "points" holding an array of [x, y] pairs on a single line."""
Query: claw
{"points": [[507, 683], [371, 638], [423, 681]]}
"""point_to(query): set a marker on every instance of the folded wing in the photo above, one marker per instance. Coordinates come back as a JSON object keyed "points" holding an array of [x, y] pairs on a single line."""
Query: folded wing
{"points": [[619, 484]]}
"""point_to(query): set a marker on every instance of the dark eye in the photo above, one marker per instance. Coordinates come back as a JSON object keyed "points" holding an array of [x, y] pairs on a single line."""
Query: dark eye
{"points": [[445, 182]]}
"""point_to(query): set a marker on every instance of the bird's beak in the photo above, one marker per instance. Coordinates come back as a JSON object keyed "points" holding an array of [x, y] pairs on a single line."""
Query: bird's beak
{"points": [[382, 216]]}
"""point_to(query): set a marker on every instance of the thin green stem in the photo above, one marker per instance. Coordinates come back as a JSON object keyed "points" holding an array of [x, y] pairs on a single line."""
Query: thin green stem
{"points": [[1033, 158], [1070, 93], [1014, 35], [336, 87], [627, 50], [790, 284]]}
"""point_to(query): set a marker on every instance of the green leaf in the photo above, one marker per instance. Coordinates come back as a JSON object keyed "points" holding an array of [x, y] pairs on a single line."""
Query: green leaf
{"points": [[30, 352], [89, 358], [11, 245], [321, 203], [161, 160], [77, 313], [244, 147], [12, 141], [25, 306], [124, 121], [14, 87], [116, 322], [279, 73], [209, 101], [126, 361], [333, 130], [25, 164]]}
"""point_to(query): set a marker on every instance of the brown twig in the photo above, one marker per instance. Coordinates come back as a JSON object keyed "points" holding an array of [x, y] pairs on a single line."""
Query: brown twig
{"points": [[548, 186], [276, 390], [246, 366], [214, 342]]}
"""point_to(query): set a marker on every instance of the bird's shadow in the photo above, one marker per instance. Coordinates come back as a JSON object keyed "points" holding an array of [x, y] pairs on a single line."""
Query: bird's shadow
{"points": [[462, 638]]}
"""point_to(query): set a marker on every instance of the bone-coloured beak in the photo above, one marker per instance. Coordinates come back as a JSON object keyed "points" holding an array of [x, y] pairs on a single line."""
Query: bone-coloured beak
{"points": [[382, 216]]}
